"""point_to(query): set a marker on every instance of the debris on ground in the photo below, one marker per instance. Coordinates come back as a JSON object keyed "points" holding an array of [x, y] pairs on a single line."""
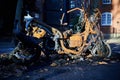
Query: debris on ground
{"points": [[102, 62], [9, 68]]}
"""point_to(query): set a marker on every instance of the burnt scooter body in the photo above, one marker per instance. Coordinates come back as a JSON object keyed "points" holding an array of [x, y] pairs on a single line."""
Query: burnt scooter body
{"points": [[72, 43]]}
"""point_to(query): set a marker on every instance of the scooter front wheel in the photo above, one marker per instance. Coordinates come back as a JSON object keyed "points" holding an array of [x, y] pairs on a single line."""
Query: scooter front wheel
{"points": [[101, 50]]}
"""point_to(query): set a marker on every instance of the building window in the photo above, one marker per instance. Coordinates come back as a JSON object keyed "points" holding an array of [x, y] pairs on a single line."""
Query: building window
{"points": [[106, 19], [106, 1], [72, 4]]}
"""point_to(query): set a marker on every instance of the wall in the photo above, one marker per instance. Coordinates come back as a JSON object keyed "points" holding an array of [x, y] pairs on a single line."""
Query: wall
{"points": [[7, 15], [116, 15], [114, 8]]}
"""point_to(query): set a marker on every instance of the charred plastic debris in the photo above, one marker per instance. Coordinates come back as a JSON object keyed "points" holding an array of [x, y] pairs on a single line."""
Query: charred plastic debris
{"points": [[77, 43]]}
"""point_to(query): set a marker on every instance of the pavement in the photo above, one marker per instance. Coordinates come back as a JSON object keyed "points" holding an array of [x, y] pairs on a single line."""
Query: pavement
{"points": [[6, 44], [114, 44], [114, 40]]}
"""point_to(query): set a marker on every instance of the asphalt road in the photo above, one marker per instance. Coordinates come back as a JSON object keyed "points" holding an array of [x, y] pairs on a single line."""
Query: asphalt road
{"points": [[91, 69]]}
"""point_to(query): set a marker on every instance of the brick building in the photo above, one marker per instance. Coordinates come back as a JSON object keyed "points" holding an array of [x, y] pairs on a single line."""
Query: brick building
{"points": [[50, 11], [110, 18]]}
